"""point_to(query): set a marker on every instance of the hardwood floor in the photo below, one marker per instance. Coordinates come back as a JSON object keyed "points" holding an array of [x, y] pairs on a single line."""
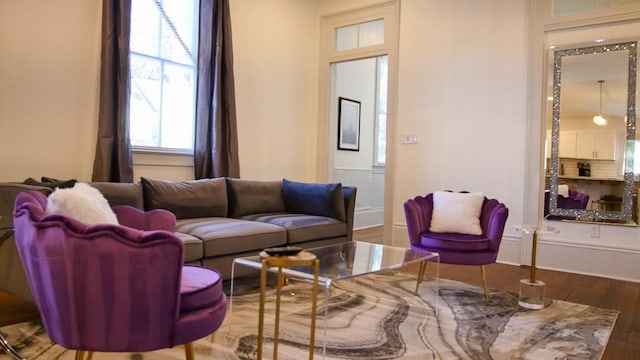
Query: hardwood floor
{"points": [[624, 296], [14, 310]]}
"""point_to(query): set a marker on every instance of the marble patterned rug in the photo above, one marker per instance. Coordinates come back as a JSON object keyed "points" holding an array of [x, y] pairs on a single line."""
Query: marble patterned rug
{"points": [[379, 317]]}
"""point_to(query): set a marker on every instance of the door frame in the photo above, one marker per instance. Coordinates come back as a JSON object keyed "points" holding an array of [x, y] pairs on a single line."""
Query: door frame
{"points": [[389, 11]]}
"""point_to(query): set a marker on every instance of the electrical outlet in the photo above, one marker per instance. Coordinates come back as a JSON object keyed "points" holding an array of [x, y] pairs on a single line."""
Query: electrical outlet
{"points": [[409, 139], [595, 231]]}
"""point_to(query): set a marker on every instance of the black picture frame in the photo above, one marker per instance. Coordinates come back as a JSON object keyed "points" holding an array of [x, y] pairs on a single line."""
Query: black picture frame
{"points": [[348, 124]]}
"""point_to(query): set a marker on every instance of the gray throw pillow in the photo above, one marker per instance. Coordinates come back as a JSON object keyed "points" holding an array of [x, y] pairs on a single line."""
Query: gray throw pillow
{"points": [[314, 199], [121, 193], [248, 197], [186, 199], [51, 183]]}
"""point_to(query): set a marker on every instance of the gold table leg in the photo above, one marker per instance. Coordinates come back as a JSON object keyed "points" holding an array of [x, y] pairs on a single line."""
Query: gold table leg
{"points": [[421, 272], [314, 303], [280, 263], [263, 286]]}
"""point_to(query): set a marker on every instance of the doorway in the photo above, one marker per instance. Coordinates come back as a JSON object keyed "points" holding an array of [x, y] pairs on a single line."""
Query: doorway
{"points": [[360, 42], [359, 97]]}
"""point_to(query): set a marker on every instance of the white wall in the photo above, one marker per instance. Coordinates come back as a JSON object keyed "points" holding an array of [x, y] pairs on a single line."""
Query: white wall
{"points": [[49, 86], [49, 76], [462, 86], [276, 69]]}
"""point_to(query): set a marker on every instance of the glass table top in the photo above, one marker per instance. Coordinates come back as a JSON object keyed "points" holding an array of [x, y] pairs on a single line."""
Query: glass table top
{"points": [[351, 259]]}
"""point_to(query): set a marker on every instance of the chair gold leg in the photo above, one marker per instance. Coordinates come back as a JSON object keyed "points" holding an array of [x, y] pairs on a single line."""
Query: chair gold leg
{"points": [[90, 355], [484, 284], [188, 351], [421, 271]]}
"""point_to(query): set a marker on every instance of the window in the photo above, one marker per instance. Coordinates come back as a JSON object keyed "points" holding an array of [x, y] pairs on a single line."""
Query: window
{"points": [[163, 57], [360, 35], [380, 143], [565, 7]]}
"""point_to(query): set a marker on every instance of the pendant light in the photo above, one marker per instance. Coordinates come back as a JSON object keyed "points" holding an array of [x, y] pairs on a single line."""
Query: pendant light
{"points": [[599, 119]]}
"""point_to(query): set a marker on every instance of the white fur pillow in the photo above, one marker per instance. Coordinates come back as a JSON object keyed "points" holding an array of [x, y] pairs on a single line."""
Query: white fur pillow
{"points": [[563, 190], [83, 203], [456, 212]]}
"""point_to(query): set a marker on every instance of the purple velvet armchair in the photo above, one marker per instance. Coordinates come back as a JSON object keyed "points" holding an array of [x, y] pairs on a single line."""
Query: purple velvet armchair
{"points": [[115, 288], [454, 248], [575, 200]]}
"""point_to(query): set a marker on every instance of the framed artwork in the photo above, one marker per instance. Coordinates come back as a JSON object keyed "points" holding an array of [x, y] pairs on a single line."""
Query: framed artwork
{"points": [[348, 124]]}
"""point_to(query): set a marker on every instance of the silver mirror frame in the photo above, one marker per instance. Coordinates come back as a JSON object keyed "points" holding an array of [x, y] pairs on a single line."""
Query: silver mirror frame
{"points": [[595, 215]]}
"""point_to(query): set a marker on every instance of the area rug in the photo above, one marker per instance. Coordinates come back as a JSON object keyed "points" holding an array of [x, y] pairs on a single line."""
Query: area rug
{"points": [[379, 317]]}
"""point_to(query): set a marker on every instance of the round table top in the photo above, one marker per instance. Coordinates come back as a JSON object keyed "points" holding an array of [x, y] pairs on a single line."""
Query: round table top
{"points": [[303, 258]]}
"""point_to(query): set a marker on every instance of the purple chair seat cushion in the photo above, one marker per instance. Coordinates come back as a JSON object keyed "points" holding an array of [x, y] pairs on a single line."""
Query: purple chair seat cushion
{"points": [[200, 287], [454, 241]]}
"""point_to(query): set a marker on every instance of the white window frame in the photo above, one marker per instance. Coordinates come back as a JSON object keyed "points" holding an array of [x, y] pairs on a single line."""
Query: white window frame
{"points": [[158, 149]]}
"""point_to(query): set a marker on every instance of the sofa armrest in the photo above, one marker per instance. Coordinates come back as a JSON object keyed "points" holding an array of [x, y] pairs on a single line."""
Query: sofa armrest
{"points": [[8, 193], [349, 194]]}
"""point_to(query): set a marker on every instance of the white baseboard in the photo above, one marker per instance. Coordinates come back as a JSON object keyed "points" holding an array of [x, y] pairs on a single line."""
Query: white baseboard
{"points": [[586, 258], [368, 217]]}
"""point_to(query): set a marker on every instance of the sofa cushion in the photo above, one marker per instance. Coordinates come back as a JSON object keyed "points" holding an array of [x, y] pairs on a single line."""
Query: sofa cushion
{"points": [[200, 287], [314, 199], [186, 199], [193, 250], [221, 236], [254, 197], [302, 227], [121, 193]]}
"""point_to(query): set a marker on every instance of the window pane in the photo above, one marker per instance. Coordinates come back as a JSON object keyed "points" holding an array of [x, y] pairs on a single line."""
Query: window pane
{"points": [[372, 33], [381, 141], [163, 72], [178, 32], [636, 158], [564, 7], [382, 69], [145, 29], [347, 37], [178, 107], [144, 101]]}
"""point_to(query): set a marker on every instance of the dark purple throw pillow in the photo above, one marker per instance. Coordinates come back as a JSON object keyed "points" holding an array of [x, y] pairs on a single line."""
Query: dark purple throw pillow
{"points": [[314, 199]]}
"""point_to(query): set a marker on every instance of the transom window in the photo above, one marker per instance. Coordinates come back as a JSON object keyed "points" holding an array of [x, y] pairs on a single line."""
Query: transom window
{"points": [[163, 58], [360, 35]]}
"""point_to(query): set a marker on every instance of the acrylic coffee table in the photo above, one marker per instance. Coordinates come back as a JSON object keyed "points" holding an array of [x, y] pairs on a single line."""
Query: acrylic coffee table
{"points": [[345, 261]]}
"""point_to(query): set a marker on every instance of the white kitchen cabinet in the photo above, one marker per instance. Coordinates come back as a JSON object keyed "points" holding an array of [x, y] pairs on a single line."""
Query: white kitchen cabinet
{"points": [[567, 144], [595, 144]]}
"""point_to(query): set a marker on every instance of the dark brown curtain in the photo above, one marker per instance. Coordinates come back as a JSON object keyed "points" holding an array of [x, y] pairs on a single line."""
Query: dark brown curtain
{"points": [[216, 135], [113, 149]]}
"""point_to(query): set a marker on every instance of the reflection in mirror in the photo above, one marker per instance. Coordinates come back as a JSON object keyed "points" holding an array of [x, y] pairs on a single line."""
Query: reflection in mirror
{"points": [[592, 136]]}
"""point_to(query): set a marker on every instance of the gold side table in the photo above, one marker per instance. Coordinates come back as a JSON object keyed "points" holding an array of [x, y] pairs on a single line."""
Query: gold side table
{"points": [[303, 259]]}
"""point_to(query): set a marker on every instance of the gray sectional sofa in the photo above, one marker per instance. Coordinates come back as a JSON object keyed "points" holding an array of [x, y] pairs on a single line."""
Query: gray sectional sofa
{"points": [[218, 219]]}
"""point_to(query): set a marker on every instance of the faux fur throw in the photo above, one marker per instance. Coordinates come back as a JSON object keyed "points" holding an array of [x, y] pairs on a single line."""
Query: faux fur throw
{"points": [[82, 202]]}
